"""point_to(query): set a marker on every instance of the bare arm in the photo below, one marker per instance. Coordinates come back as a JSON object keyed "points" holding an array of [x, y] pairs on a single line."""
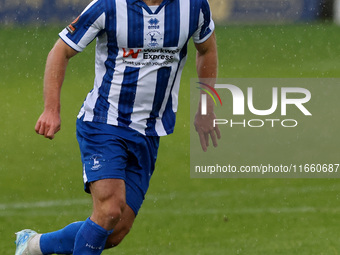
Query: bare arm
{"points": [[49, 121], [206, 64]]}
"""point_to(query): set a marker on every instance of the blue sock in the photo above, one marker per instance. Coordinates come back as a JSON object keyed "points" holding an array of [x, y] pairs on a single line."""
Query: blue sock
{"points": [[61, 241], [90, 239]]}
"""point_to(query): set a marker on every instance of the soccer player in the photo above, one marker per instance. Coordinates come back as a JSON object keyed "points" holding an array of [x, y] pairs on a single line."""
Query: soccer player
{"points": [[141, 49]]}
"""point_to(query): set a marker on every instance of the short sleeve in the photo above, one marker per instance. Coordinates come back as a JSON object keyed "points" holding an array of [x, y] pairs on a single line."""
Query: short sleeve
{"points": [[206, 25], [86, 27]]}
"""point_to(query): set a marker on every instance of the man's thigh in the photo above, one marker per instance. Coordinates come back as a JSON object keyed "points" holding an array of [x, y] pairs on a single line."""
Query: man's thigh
{"points": [[110, 152], [109, 202]]}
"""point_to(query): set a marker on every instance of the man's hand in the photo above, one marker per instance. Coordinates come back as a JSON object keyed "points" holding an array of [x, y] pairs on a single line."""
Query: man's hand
{"points": [[48, 124], [205, 127]]}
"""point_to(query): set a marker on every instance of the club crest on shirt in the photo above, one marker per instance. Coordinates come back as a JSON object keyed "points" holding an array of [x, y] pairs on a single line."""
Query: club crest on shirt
{"points": [[154, 38]]}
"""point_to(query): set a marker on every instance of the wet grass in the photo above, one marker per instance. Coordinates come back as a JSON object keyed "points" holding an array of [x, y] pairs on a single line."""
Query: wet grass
{"points": [[41, 180]]}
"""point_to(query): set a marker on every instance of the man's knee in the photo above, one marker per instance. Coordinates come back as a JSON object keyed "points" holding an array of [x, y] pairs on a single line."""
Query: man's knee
{"points": [[109, 212], [112, 210], [122, 228]]}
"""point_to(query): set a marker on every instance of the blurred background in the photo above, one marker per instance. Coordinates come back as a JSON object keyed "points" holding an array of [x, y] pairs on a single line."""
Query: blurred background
{"points": [[225, 11]]}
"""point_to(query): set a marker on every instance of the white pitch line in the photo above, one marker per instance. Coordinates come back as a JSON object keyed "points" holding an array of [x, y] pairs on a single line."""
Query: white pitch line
{"points": [[43, 204], [167, 196], [242, 211], [6, 209], [17, 207]]}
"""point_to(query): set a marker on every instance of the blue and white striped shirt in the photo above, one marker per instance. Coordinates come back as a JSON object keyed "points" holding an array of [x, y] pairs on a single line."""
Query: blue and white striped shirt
{"points": [[140, 55]]}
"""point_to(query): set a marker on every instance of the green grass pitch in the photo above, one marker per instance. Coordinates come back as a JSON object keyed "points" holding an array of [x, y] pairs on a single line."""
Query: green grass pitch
{"points": [[41, 180]]}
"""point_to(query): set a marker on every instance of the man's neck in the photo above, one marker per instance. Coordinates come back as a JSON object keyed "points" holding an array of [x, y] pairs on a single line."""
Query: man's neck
{"points": [[153, 2]]}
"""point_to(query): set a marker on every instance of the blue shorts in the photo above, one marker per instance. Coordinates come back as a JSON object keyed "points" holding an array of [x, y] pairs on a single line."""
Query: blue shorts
{"points": [[113, 152]]}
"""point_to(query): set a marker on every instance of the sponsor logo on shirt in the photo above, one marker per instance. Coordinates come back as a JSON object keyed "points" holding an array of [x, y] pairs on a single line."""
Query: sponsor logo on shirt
{"points": [[72, 27], [131, 52], [151, 56], [153, 23]]}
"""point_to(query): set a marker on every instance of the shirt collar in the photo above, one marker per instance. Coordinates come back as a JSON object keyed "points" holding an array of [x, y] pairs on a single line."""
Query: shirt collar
{"points": [[134, 1]]}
